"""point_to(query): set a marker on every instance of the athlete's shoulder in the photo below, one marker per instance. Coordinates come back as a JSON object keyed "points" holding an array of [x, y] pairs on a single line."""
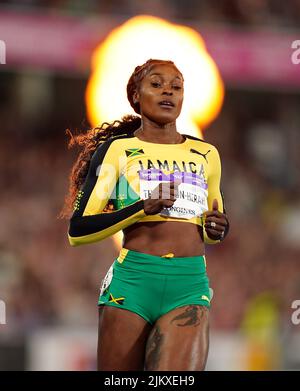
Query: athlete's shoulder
{"points": [[117, 139], [201, 142], [122, 137], [192, 137], [113, 143]]}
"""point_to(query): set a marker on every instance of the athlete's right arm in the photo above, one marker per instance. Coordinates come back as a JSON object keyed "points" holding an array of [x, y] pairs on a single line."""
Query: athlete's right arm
{"points": [[88, 224]]}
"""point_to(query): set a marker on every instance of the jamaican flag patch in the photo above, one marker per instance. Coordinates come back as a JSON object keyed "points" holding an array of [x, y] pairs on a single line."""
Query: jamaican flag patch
{"points": [[118, 300], [134, 152]]}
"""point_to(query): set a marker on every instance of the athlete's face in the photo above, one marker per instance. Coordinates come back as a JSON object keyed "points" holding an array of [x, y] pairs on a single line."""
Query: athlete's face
{"points": [[160, 94]]}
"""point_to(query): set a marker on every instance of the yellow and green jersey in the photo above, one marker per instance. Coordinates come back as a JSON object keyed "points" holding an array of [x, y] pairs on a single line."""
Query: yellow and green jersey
{"points": [[123, 172]]}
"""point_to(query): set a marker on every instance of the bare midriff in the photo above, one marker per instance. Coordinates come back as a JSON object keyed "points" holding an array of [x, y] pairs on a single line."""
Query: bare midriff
{"points": [[160, 238]]}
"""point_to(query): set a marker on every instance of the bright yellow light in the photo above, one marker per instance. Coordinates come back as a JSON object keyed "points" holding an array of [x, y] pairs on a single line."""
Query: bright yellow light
{"points": [[134, 42]]}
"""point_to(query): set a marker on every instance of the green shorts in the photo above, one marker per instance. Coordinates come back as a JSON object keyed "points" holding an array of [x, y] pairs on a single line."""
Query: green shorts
{"points": [[151, 285]]}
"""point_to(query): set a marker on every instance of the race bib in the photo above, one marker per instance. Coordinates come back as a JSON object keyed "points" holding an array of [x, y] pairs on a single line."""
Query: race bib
{"points": [[192, 192], [106, 280]]}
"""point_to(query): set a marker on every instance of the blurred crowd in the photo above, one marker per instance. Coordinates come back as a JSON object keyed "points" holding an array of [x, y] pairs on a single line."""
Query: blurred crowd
{"points": [[44, 281], [257, 135], [251, 13]]}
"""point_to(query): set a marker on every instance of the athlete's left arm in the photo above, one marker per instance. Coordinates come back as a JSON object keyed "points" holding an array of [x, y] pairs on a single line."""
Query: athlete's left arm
{"points": [[216, 210]]}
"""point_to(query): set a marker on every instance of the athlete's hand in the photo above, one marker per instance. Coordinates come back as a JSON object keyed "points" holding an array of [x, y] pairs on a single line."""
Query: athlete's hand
{"points": [[164, 195], [217, 231]]}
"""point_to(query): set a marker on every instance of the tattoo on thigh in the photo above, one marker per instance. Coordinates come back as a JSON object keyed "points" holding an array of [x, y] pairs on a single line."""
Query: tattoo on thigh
{"points": [[192, 314], [153, 349]]}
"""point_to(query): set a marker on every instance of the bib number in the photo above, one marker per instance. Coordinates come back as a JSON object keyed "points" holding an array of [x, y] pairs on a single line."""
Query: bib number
{"points": [[192, 192], [106, 280]]}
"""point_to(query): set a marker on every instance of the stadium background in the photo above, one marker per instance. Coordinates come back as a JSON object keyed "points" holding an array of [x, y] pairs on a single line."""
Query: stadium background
{"points": [[50, 289]]}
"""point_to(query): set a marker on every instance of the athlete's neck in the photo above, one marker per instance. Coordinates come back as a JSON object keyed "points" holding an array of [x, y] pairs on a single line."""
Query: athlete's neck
{"points": [[158, 133]]}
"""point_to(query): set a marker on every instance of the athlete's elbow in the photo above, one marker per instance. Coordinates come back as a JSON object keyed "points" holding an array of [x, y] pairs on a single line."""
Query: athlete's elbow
{"points": [[73, 237], [77, 239], [73, 240], [78, 236]]}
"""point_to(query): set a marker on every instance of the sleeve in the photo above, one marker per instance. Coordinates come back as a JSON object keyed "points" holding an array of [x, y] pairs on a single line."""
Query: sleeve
{"points": [[214, 191], [88, 224]]}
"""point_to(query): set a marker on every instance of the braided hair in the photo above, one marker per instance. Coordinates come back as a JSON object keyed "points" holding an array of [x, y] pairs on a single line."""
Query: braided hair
{"points": [[91, 139]]}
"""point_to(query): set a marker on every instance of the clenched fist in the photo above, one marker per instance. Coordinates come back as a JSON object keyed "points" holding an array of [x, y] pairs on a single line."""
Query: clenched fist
{"points": [[163, 196]]}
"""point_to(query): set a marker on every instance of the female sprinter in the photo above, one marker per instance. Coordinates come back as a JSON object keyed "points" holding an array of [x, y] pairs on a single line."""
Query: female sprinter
{"points": [[162, 189]]}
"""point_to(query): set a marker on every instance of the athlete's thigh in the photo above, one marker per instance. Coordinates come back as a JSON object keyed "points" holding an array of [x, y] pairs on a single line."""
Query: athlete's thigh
{"points": [[179, 340], [122, 337]]}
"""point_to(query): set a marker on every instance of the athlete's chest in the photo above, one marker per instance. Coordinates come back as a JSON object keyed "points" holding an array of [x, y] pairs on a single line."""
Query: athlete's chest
{"points": [[146, 168], [189, 160]]}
